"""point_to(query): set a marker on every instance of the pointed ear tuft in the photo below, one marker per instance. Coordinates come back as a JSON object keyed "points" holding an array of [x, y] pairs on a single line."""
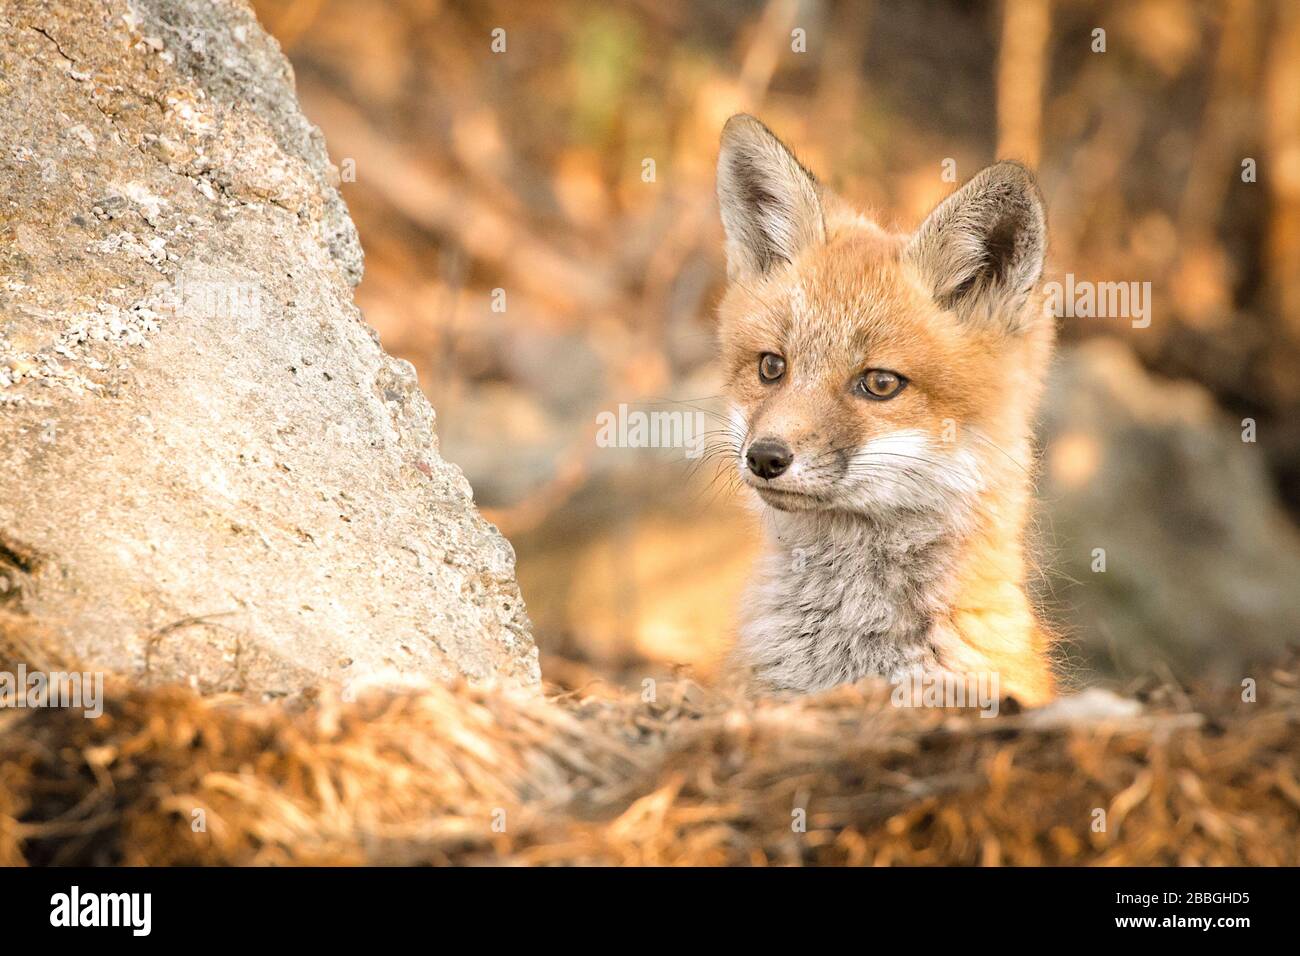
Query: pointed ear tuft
{"points": [[982, 249], [771, 206]]}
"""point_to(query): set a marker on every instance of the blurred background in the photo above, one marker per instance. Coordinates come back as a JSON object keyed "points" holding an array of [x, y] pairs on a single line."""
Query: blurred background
{"points": [[542, 243]]}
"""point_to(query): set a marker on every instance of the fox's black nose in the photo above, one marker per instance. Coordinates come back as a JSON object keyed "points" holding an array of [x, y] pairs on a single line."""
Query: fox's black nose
{"points": [[768, 458]]}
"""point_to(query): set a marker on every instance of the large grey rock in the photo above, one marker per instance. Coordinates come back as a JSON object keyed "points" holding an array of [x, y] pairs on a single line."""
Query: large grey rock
{"points": [[1201, 562], [211, 471]]}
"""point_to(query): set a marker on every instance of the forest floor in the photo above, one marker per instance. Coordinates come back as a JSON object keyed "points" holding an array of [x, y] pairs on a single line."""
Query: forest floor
{"points": [[695, 776]]}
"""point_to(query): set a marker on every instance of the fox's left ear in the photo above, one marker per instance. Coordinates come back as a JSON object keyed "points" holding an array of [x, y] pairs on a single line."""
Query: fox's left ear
{"points": [[982, 249]]}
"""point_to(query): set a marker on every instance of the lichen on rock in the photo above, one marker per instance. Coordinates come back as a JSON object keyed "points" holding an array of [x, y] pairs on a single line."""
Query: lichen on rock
{"points": [[217, 473]]}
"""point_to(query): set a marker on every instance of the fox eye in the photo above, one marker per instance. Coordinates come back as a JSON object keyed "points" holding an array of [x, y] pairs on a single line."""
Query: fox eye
{"points": [[770, 367], [879, 384]]}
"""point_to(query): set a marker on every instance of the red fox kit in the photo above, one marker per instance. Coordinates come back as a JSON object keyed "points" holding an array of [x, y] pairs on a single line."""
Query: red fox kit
{"points": [[882, 390]]}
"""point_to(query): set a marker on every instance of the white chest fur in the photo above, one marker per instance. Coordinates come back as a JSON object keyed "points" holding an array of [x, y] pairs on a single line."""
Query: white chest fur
{"points": [[839, 597]]}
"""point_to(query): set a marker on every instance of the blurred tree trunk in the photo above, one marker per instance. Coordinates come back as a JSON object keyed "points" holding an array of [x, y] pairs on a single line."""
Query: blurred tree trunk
{"points": [[1022, 65], [839, 85], [1281, 167]]}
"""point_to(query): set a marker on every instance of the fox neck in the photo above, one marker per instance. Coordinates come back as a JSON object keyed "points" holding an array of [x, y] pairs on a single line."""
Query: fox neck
{"points": [[841, 596]]}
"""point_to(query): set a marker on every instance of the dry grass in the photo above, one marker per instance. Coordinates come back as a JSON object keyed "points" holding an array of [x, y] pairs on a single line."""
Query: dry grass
{"points": [[698, 777]]}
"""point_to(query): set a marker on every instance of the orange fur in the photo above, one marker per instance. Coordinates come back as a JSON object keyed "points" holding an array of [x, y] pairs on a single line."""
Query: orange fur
{"points": [[855, 297]]}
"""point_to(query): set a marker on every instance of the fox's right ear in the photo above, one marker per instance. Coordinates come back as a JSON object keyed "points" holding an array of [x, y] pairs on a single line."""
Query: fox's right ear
{"points": [[771, 205]]}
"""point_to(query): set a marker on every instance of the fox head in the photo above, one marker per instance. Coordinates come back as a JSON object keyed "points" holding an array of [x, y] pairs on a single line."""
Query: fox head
{"points": [[869, 371]]}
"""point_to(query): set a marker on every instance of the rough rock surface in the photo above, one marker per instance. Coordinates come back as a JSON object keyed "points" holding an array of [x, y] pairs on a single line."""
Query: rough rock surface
{"points": [[1201, 562], [211, 471]]}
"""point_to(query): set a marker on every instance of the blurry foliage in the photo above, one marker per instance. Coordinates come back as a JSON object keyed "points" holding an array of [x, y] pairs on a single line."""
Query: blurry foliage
{"points": [[605, 44], [522, 171]]}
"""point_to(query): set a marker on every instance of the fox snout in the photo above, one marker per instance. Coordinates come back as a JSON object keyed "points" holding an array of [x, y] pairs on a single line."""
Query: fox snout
{"points": [[768, 458]]}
